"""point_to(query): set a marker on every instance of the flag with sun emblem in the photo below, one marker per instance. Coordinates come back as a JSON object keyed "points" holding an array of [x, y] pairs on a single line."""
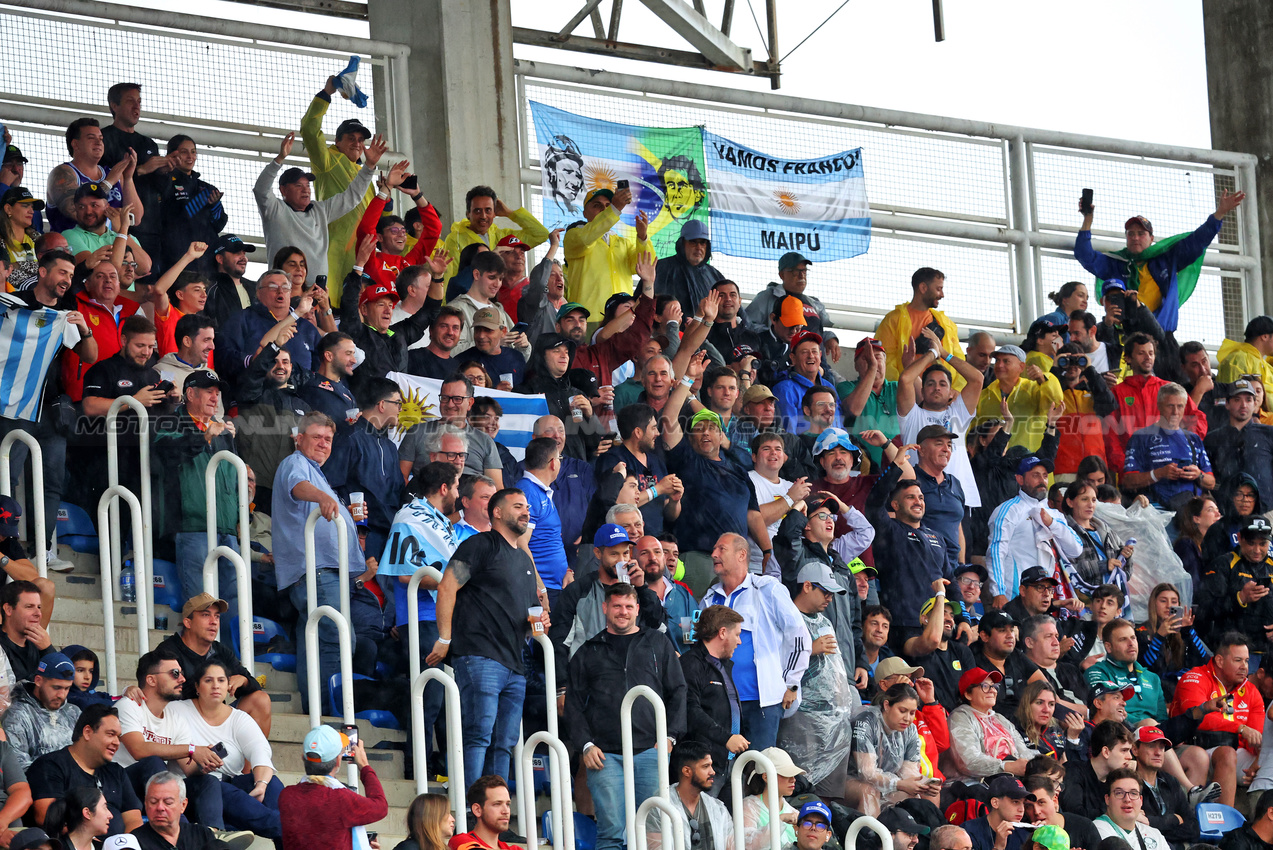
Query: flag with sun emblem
{"points": [[420, 404], [663, 166], [764, 206]]}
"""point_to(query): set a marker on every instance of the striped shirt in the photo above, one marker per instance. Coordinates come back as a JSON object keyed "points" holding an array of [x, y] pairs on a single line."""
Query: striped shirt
{"points": [[30, 340]]}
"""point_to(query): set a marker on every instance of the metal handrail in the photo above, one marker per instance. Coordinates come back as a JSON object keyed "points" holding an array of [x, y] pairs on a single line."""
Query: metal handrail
{"points": [[346, 671], [311, 567], [144, 546], [660, 743], [561, 794], [519, 774], [671, 818], [37, 485], [454, 737], [865, 822], [763, 762], [413, 626], [245, 543], [550, 691], [247, 653], [104, 541]]}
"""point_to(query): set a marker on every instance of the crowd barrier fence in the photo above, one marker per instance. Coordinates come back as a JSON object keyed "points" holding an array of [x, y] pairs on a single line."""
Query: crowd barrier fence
{"points": [[772, 797], [240, 559], [107, 542], [37, 490]]}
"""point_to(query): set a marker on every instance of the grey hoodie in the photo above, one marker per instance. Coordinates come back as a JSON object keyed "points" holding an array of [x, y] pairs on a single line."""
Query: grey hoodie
{"points": [[34, 730]]}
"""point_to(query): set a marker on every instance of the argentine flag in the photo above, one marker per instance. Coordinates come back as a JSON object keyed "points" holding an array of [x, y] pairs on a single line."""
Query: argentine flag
{"points": [[764, 206], [29, 342], [420, 403]]}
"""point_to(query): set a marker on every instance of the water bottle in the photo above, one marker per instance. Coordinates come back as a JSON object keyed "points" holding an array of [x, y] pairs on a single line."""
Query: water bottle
{"points": [[127, 583]]}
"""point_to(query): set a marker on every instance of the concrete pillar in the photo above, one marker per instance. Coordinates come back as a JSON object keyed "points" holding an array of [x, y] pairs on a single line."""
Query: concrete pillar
{"points": [[1240, 90], [462, 95]]}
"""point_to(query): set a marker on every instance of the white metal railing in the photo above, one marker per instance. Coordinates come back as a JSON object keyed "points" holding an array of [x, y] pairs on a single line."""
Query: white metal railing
{"points": [[454, 737], [556, 767], [108, 569], [312, 671], [772, 797], [866, 822], [210, 582], [413, 622], [670, 815], [629, 769], [342, 561], [143, 545], [561, 796], [37, 487]]}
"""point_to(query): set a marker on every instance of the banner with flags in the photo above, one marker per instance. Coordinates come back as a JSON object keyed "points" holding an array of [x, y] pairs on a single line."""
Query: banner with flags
{"points": [[664, 167], [764, 206], [420, 403]]}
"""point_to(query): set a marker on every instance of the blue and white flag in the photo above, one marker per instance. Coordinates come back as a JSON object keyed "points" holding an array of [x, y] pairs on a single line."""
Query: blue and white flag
{"points": [[29, 342], [420, 403], [764, 206]]}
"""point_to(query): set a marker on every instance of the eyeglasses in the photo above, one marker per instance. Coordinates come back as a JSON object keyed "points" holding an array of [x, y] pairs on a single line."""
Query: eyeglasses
{"points": [[823, 516], [815, 825], [456, 400], [279, 287], [1243, 497], [453, 455], [1125, 793], [396, 401], [395, 230], [175, 672], [971, 582], [129, 264], [989, 687]]}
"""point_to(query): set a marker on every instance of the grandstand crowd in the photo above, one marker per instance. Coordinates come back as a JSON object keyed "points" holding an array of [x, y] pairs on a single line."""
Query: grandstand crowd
{"points": [[998, 596]]}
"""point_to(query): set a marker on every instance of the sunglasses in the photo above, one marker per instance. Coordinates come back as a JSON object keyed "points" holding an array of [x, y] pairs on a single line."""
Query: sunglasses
{"points": [[815, 825]]}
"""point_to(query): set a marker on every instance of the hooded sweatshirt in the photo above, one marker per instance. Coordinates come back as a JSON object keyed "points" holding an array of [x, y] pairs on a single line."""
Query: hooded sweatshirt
{"points": [[92, 696], [34, 730], [687, 283], [557, 392]]}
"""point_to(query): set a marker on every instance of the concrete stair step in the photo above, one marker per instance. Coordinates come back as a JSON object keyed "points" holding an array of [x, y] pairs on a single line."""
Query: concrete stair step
{"points": [[399, 792], [292, 728]]}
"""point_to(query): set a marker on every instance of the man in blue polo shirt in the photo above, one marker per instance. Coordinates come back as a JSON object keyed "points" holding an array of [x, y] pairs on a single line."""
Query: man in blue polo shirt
{"points": [[1165, 459], [804, 374], [943, 494], [543, 465]]}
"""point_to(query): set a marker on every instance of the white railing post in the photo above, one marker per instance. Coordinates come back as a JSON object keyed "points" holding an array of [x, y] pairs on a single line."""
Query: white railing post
{"points": [[210, 568], [342, 561], [670, 817], [550, 688], [454, 737], [560, 792], [346, 671], [413, 623], [245, 545], [37, 487], [629, 769], [771, 793], [519, 774], [108, 498], [866, 822], [144, 546]]}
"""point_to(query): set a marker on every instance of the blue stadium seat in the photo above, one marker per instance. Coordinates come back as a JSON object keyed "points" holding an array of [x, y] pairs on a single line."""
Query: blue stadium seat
{"points": [[264, 631], [379, 719], [167, 582], [585, 830], [75, 529], [1214, 820]]}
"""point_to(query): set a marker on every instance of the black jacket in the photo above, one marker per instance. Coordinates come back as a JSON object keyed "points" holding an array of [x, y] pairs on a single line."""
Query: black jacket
{"points": [[386, 352], [688, 284], [1083, 794], [188, 214], [708, 717], [916, 557], [557, 393], [266, 415], [1244, 838], [223, 297], [995, 470], [600, 677], [1161, 811], [586, 591], [1235, 452]]}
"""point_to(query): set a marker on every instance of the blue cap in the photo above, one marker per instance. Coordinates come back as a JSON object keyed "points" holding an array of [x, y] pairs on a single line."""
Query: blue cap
{"points": [[55, 665], [694, 229], [1113, 283], [1029, 462], [610, 535], [833, 437], [815, 807], [323, 743]]}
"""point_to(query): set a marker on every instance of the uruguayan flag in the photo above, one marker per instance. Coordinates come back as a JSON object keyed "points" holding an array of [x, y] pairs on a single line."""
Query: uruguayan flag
{"points": [[420, 403], [764, 206], [29, 341]]}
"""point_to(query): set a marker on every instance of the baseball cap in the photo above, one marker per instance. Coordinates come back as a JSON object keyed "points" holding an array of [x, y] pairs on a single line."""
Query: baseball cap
{"points": [[833, 437], [865, 343], [569, 307], [981, 571], [12, 154], [934, 432], [610, 534], [898, 819], [694, 229], [293, 174], [741, 351], [820, 575], [55, 665], [1259, 326], [802, 336], [34, 836], [124, 841], [92, 190], [706, 415], [1010, 787], [895, 666], [230, 242], [1139, 221], [203, 379], [783, 763], [757, 392], [1044, 325], [1258, 526], [1029, 462], [974, 677], [613, 302], [10, 510], [790, 311], [996, 620], [791, 260], [1112, 284], [857, 565], [932, 603], [352, 125], [1150, 734], [1051, 837], [487, 318], [1241, 386], [605, 193], [1038, 575], [1014, 350], [1100, 689], [375, 292], [203, 602], [511, 241], [21, 195], [815, 807], [323, 743]]}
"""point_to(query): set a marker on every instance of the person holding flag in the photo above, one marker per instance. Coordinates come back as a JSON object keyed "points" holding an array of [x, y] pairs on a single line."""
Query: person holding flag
{"points": [[1164, 273]]}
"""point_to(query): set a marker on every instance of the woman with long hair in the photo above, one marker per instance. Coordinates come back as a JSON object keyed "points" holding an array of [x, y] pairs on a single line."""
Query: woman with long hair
{"points": [[982, 741], [756, 808], [1194, 519], [78, 818], [1036, 719], [476, 372], [886, 745], [1105, 559], [16, 215], [430, 824], [1070, 297], [1169, 644]]}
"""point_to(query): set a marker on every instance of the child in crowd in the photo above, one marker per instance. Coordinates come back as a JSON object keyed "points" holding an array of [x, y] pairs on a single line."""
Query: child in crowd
{"points": [[84, 690]]}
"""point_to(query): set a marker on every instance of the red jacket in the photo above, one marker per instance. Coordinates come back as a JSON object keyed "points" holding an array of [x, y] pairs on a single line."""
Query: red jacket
{"points": [[315, 817], [934, 738], [1137, 399], [105, 330], [606, 356], [384, 267], [1200, 684]]}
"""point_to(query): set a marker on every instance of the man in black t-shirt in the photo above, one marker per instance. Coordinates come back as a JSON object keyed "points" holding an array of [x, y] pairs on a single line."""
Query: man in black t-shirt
{"points": [[88, 761], [998, 633], [124, 102], [483, 608], [943, 658], [641, 456], [22, 636]]}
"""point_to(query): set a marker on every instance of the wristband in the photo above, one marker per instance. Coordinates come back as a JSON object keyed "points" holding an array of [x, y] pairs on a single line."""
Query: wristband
{"points": [[787, 499], [653, 491], [121, 235], [700, 320], [359, 270], [384, 196], [1153, 475], [261, 782], [190, 753], [950, 358], [941, 594], [687, 381], [444, 641], [437, 279]]}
